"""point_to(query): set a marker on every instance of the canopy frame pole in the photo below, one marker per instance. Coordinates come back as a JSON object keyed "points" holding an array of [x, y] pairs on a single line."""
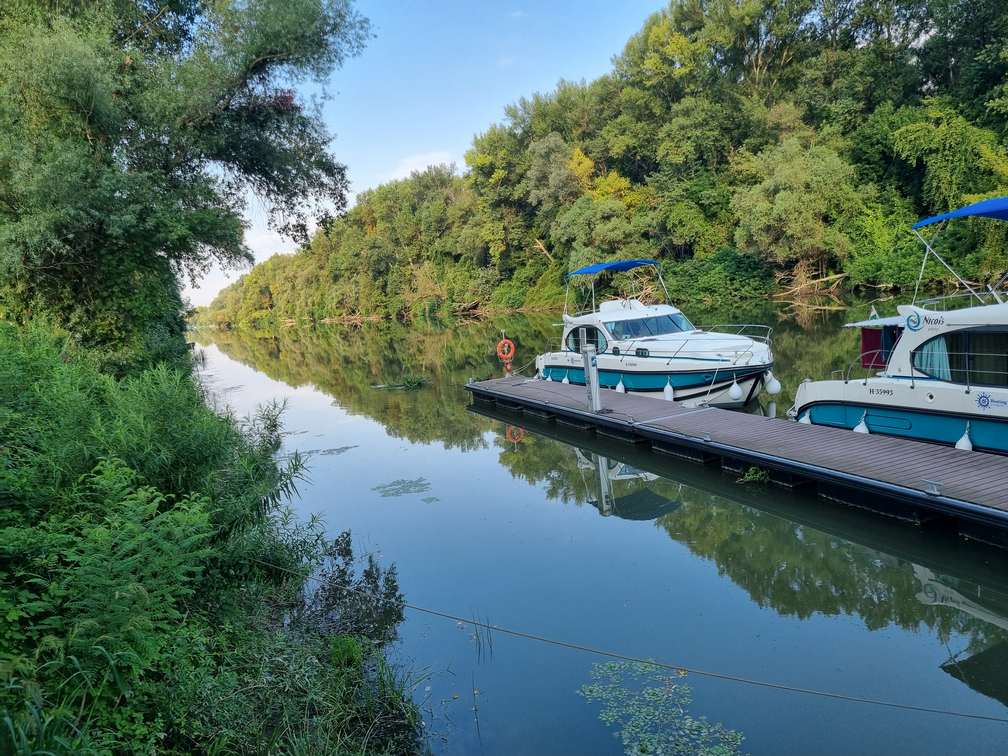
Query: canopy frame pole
{"points": [[1001, 281], [661, 280], [947, 267], [920, 275]]}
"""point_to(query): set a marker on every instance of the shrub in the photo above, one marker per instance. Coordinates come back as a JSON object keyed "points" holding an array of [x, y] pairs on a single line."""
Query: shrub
{"points": [[153, 583]]}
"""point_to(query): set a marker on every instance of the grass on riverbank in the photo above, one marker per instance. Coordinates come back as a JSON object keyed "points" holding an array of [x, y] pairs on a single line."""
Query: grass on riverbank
{"points": [[153, 584]]}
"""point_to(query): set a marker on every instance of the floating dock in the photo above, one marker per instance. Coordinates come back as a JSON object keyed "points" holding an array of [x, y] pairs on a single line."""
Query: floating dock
{"points": [[913, 480]]}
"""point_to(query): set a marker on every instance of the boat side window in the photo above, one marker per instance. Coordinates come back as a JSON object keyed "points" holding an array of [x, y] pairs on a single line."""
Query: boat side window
{"points": [[626, 329], [988, 357], [978, 357], [590, 334]]}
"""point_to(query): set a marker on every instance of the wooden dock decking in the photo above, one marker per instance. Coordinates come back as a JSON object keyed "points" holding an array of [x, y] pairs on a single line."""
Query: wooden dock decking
{"points": [[962, 484]]}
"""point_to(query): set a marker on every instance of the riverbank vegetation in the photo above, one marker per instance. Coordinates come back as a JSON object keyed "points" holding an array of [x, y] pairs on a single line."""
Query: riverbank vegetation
{"points": [[153, 586], [751, 147], [156, 594]]}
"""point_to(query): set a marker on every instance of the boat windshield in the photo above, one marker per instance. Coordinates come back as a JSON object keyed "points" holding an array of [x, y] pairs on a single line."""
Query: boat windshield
{"points": [[642, 327]]}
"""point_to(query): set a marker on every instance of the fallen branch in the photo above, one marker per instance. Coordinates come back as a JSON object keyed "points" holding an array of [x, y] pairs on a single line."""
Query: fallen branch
{"points": [[815, 283], [542, 248]]}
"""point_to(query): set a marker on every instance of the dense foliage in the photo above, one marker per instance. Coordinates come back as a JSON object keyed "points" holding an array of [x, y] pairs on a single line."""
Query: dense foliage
{"points": [[156, 595], [153, 586], [133, 132], [741, 142]]}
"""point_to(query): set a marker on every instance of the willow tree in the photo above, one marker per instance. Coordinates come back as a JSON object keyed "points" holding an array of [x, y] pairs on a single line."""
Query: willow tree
{"points": [[133, 133]]}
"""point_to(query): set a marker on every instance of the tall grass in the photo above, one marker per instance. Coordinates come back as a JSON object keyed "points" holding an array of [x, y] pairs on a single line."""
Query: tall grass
{"points": [[153, 589]]}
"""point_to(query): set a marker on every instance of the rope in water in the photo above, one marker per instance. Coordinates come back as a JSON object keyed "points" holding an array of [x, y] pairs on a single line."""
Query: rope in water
{"points": [[678, 668]]}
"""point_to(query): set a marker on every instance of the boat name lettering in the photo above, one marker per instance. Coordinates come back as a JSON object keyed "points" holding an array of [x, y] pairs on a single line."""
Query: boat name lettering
{"points": [[881, 391]]}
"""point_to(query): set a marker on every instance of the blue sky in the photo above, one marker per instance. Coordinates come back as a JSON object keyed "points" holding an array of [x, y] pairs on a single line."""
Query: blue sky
{"points": [[436, 73]]}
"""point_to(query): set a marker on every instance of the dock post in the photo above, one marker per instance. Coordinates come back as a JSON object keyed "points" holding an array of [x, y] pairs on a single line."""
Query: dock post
{"points": [[591, 377]]}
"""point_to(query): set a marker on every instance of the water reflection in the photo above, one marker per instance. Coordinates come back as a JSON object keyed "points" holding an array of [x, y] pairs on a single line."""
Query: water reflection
{"points": [[347, 362], [620, 491], [796, 557], [804, 557], [984, 670]]}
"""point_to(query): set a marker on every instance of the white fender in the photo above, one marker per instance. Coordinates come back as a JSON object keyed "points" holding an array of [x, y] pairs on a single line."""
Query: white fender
{"points": [[771, 384], [669, 393], [965, 443], [735, 392], [862, 427], [620, 387], [565, 379]]}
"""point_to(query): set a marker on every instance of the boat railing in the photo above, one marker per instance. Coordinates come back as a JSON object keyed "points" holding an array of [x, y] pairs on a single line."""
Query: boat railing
{"points": [[734, 357], [873, 358], [689, 348], [962, 299], [755, 331], [968, 376]]}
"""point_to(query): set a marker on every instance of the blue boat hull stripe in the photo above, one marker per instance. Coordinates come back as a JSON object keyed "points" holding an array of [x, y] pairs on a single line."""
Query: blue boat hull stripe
{"points": [[655, 381], [986, 433]]}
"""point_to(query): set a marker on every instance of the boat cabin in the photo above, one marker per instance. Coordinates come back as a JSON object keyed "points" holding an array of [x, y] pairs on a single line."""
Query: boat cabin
{"points": [[622, 320], [878, 338]]}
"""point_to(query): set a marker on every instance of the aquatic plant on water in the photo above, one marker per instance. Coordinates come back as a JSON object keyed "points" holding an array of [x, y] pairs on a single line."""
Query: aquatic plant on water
{"points": [[649, 707]]}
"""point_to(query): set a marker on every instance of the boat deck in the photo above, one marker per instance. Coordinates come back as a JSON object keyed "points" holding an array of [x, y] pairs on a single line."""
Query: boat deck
{"points": [[950, 481]]}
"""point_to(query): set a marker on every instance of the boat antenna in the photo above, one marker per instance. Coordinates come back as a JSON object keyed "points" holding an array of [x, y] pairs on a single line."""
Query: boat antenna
{"points": [[948, 267]]}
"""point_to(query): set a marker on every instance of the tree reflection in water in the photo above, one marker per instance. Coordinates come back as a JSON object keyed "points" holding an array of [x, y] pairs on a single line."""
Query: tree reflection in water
{"points": [[798, 556]]}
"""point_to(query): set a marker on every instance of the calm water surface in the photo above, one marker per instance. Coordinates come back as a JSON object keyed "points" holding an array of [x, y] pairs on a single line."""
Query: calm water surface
{"points": [[578, 539]]}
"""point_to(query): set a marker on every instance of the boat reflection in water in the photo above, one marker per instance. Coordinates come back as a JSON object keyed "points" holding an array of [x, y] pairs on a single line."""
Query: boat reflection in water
{"points": [[617, 493], [687, 565], [798, 554], [986, 670]]}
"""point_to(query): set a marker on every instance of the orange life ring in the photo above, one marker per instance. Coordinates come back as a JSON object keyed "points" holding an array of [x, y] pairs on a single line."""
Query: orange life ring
{"points": [[514, 435], [505, 350]]}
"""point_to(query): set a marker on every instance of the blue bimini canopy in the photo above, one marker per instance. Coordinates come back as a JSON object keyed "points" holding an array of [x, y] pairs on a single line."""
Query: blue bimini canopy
{"points": [[996, 207], [618, 266]]}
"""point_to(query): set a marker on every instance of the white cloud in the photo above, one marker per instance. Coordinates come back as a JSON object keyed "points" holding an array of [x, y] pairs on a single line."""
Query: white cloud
{"points": [[418, 162]]}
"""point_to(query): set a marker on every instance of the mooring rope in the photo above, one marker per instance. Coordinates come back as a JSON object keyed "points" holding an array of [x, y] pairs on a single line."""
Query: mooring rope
{"points": [[679, 669]]}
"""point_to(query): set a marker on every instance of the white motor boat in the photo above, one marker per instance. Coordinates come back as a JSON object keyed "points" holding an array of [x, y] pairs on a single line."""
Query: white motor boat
{"points": [[937, 371], [655, 348]]}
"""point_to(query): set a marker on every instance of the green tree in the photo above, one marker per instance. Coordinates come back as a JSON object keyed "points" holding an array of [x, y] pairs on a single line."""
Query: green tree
{"points": [[133, 134], [959, 158], [550, 180], [808, 133], [798, 205]]}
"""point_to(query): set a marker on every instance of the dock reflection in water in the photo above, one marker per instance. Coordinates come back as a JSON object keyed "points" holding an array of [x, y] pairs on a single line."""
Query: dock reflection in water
{"points": [[823, 560], [597, 542]]}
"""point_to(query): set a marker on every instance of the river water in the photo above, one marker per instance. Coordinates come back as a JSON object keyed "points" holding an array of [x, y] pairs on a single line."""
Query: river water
{"points": [[576, 539]]}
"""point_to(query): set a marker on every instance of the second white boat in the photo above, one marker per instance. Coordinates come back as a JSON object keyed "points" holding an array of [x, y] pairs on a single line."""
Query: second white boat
{"points": [[655, 348]]}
